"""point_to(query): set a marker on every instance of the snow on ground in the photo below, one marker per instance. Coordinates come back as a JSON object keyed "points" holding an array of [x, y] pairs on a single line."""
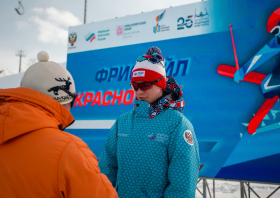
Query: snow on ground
{"points": [[5, 73], [231, 189]]}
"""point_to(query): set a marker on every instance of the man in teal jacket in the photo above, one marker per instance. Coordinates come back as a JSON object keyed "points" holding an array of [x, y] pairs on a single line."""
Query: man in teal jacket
{"points": [[152, 151]]}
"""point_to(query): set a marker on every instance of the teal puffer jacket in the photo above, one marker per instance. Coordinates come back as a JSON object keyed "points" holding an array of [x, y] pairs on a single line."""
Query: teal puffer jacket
{"points": [[151, 157]]}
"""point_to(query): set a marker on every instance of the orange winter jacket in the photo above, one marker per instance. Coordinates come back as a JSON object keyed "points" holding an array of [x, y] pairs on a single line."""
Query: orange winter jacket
{"points": [[37, 159]]}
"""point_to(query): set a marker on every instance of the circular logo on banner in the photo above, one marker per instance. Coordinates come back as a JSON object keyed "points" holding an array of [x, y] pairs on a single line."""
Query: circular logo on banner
{"points": [[188, 137]]}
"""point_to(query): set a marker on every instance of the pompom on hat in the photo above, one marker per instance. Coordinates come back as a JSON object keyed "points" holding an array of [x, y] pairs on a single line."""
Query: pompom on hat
{"points": [[51, 79], [153, 50], [150, 67]]}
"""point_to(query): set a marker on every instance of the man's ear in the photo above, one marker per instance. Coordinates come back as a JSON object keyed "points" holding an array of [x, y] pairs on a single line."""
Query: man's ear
{"points": [[67, 106]]}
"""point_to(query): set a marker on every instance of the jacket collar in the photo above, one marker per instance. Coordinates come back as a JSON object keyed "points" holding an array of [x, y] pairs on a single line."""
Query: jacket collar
{"points": [[23, 110], [141, 109], [172, 99]]}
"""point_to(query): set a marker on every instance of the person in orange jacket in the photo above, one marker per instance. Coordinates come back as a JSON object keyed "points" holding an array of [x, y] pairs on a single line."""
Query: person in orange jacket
{"points": [[38, 159]]}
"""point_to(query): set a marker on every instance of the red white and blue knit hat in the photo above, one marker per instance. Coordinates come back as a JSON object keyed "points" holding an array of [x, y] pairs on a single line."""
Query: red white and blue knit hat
{"points": [[150, 67]]}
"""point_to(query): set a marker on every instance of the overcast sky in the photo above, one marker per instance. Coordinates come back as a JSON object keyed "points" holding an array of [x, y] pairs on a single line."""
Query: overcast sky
{"points": [[44, 25]]}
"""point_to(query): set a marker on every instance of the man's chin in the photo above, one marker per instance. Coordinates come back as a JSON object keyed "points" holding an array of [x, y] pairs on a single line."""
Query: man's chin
{"points": [[142, 98]]}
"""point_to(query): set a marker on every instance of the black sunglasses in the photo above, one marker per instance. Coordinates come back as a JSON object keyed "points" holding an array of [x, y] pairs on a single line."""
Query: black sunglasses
{"points": [[144, 85]]}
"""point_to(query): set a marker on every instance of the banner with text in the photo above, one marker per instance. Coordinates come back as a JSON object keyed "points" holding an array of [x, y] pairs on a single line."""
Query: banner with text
{"points": [[234, 110]]}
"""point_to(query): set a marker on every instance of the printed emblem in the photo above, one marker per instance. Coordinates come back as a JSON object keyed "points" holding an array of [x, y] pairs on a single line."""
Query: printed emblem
{"points": [[151, 136], [139, 74], [119, 30], [63, 87], [72, 38], [158, 137], [158, 27], [90, 37], [188, 137]]}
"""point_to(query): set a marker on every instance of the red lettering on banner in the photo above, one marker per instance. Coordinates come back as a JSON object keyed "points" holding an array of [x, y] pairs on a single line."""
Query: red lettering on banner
{"points": [[104, 103], [78, 100], [119, 97], [131, 92], [88, 99], [97, 99], [125, 97]]}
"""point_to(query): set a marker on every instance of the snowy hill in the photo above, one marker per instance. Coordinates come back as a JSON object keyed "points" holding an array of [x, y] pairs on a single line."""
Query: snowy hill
{"points": [[11, 81]]}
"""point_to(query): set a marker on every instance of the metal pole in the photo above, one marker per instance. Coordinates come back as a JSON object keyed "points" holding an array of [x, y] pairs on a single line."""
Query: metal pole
{"points": [[213, 188], [241, 190], [274, 192], [199, 191], [253, 191], [204, 189], [21, 54], [208, 189], [85, 17], [245, 191], [249, 192], [197, 187], [19, 63]]}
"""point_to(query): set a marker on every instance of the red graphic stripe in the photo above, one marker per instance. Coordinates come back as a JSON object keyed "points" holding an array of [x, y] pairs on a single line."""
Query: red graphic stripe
{"points": [[229, 71], [92, 38], [234, 50], [257, 119]]}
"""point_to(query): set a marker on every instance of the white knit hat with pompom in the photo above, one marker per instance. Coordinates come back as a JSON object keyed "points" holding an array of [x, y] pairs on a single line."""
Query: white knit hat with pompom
{"points": [[50, 78]]}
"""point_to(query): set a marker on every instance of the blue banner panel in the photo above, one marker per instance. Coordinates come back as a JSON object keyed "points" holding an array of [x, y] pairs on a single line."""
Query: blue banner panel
{"points": [[234, 111]]}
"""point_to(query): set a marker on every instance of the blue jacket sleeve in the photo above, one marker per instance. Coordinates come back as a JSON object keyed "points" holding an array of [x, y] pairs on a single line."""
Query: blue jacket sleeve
{"points": [[184, 162], [108, 163]]}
